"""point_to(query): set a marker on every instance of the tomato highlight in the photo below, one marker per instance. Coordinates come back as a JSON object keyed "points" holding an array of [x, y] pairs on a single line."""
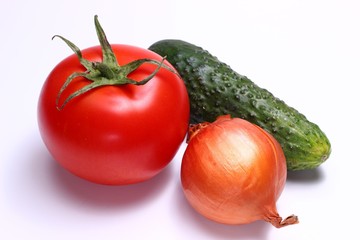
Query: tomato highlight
{"points": [[233, 172]]}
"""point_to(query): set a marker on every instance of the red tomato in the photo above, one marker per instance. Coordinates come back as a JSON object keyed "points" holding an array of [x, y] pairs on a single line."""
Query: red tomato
{"points": [[114, 134]]}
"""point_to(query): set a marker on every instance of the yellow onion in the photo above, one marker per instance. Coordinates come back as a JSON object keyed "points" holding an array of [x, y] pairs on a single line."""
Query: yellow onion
{"points": [[233, 172]]}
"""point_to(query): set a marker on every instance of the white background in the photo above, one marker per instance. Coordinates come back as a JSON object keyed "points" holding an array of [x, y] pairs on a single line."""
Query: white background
{"points": [[305, 52]]}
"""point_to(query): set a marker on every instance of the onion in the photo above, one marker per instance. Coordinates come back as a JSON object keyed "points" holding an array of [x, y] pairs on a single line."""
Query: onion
{"points": [[233, 172]]}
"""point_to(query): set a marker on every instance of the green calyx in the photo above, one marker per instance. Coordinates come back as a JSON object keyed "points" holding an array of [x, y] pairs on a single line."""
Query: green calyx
{"points": [[105, 73]]}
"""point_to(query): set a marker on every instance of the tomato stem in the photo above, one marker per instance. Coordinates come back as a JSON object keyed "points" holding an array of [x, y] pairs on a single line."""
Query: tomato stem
{"points": [[104, 70], [108, 54], [105, 73]]}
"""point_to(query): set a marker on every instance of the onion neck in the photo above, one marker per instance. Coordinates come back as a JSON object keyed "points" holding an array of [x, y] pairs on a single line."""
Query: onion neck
{"points": [[195, 129]]}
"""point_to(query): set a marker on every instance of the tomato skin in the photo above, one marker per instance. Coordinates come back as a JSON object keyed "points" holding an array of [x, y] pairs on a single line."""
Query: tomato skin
{"points": [[114, 135]]}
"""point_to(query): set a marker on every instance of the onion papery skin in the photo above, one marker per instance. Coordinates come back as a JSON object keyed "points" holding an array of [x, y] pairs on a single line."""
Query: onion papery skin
{"points": [[233, 172]]}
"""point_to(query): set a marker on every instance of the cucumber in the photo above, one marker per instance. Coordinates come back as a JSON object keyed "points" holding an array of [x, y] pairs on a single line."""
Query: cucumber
{"points": [[215, 89]]}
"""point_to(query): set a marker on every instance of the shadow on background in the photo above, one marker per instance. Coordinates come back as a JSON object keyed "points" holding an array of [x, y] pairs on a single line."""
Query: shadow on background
{"points": [[43, 195], [108, 197], [34, 178], [188, 216], [306, 176]]}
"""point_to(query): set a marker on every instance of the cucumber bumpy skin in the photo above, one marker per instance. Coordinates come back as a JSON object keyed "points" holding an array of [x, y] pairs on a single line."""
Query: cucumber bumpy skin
{"points": [[215, 89]]}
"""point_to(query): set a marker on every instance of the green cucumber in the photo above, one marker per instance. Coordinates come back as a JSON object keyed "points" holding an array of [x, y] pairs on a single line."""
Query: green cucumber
{"points": [[215, 89]]}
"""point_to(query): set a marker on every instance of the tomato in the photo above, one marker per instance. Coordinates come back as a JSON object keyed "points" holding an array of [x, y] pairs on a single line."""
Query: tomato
{"points": [[120, 134]]}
